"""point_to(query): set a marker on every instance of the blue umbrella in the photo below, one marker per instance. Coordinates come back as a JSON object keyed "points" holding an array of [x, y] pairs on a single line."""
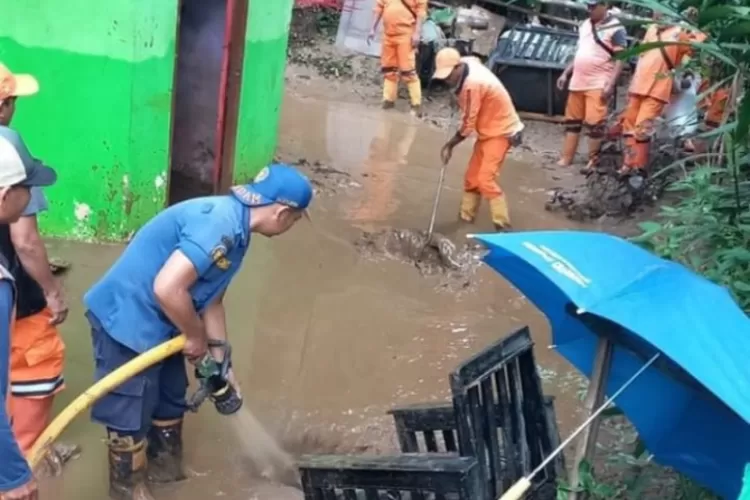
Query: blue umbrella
{"points": [[692, 407]]}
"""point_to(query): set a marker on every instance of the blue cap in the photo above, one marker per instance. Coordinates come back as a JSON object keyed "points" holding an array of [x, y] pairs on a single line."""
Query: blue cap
{"points": [[277, 183]]}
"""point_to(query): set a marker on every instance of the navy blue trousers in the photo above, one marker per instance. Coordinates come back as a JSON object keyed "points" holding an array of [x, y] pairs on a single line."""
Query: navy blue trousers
{"points": [[159, 393]]}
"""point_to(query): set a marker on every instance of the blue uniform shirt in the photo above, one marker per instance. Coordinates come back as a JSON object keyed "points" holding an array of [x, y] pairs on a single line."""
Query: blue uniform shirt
{"points": [[213, 232], [14, 471]]}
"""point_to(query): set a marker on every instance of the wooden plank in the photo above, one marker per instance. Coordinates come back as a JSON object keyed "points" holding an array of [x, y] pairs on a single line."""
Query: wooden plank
{"points": [[511, 466], [586, 444], [493, 446], [540, 117], [450, 440]]}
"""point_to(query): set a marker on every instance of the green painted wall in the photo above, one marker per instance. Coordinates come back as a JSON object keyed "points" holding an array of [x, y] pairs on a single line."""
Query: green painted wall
{"points": [[262, 85], [102, 116]]}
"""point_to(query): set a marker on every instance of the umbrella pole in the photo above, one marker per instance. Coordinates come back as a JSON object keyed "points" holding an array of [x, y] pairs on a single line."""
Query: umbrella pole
{"points": [[518, 490], [594, 399]]}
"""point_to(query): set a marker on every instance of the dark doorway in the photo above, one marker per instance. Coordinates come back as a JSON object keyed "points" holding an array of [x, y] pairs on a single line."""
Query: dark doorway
{"points": [[206, 93]]}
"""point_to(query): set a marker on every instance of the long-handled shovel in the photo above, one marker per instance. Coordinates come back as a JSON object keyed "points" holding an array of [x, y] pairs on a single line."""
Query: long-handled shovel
{"points": [[518, 490]]}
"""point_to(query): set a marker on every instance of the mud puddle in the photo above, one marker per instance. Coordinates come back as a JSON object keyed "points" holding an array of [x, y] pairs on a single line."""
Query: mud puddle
{"points": [[325, 339], [434, 256]]}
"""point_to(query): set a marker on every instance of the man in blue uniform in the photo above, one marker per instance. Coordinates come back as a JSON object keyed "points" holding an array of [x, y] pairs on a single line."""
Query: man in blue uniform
{"points": [[171, 279], [18, 172]]}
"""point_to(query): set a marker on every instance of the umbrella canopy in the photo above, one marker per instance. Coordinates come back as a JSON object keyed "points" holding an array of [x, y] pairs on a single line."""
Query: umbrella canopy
{"points": [[693, 409]]}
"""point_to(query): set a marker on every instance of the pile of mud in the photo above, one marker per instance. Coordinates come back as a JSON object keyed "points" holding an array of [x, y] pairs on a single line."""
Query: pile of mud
{"points": [[438, 255], [606, 193]]}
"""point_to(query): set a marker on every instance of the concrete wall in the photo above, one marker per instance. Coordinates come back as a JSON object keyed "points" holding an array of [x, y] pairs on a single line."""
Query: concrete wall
{"points": [[103, 115], [262, 85]]}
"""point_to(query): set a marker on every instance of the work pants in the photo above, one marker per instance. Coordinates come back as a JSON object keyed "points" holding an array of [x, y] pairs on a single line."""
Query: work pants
{"points": [[638, 122], [398, 61], [36, 375], [158, 393], [584, 108], [481, 176]]}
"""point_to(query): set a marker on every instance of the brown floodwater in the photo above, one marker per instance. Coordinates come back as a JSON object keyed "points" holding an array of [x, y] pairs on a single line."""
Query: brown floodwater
{"points": [[325, 339]]}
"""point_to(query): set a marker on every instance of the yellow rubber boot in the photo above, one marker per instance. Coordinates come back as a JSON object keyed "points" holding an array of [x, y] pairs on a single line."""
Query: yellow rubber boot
{"points": [[390, 93], [499, 213], [469, 206], [570, 146], [415, 96]]}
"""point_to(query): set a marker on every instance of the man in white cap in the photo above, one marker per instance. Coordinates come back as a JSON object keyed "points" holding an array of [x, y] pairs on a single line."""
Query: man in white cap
{"points": [[18, 173]]}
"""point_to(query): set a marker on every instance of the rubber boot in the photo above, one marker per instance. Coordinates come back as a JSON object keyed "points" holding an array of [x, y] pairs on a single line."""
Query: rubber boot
{"points": [[390, 93], [165, 451], [469, 206], [415, 97], [499, 213], [595, 146], [570, 146], [127, 469]]}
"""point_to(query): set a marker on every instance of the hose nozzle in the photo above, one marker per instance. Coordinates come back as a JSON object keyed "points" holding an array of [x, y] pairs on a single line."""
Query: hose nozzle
{"points": [[214, 383]]}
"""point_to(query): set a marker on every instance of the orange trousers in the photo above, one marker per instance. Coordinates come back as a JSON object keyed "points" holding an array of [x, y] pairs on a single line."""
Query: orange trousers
{"points": [[585, 107], [485, 164], [398, 58], [638, 129], [36, 375]]}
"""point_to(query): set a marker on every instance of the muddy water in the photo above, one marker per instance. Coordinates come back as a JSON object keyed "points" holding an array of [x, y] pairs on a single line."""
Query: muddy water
{"points": [[325, 339]]}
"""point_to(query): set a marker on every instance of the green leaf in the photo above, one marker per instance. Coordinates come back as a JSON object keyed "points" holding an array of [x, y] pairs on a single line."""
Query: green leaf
{"points": [[613, 411], [721, 12], [743, 119], [640, 448], [735, 30]]}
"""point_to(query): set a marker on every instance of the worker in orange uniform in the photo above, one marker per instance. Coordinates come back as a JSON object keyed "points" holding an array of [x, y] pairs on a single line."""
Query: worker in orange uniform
{"points": [[489, 112], [713, 106], [594, 79], [651, 89], [402, 25], [37, 349]]}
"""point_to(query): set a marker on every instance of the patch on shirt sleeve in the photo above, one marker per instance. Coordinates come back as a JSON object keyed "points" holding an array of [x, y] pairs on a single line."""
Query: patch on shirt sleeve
{"points": [[219, 255]]}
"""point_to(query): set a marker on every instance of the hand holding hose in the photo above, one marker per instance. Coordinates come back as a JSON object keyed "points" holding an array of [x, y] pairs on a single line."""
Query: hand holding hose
{"points": [[195, 348]]}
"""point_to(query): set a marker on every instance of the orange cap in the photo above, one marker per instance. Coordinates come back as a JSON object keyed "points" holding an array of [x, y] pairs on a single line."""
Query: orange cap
{"points": [[445, 61], [16, 85]]}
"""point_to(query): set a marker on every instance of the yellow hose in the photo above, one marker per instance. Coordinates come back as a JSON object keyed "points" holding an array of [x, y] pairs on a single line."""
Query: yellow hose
{"points": [[97, 391]]}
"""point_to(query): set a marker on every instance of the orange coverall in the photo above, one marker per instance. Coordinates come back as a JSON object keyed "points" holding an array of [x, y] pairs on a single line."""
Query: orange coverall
{"points": [[489, 112], [650, 91], [37, 358], [398, 56]]}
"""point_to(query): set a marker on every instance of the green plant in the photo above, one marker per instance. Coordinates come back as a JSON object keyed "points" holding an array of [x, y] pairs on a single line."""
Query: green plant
{"points": [[588, 485], [707, 227]]}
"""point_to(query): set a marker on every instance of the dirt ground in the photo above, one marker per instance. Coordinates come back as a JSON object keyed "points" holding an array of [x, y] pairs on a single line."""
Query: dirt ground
{"points": [[318, 70], [328, 337]]}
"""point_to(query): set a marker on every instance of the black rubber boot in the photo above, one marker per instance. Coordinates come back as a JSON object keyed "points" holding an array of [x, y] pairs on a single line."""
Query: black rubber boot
{"points": [[127, 469], [165, 451]]}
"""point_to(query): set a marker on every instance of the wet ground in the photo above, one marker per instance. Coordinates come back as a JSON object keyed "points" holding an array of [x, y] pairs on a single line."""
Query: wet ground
{"points": [[326, 337]]}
